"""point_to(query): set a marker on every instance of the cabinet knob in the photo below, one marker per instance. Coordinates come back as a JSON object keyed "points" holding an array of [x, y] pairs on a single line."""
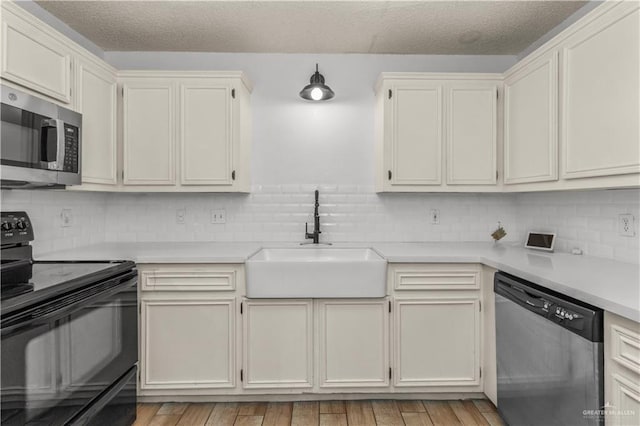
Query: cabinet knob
{"points": [[389, 173], [233, 175]]}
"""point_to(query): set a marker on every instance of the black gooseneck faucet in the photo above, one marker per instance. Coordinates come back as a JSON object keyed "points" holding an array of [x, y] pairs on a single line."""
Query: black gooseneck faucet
{"points": [[315, 235]]}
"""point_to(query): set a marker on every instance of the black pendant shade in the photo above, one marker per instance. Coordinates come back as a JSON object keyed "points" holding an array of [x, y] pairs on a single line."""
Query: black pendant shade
{"points": [[316, 90]]}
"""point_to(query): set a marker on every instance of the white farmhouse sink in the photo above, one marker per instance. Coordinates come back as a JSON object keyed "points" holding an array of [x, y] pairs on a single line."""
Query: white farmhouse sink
{"points": [[313, 272]]}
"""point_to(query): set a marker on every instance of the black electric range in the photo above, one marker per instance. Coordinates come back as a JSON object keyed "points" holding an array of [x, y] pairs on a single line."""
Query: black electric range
{"points": [[69, 335]]}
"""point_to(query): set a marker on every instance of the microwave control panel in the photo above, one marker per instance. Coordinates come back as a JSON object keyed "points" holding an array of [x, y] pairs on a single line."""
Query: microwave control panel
{"points": [[71, 148]]}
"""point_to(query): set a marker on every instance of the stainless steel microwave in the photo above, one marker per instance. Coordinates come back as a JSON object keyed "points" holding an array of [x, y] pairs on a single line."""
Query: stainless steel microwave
{"points": [[40, 142]]}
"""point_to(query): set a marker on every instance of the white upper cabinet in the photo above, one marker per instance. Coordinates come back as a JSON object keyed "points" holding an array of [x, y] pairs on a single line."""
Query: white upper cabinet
{"points": [[472, 134], [32, 57], [185, 131], [531, 125], [148, 132], [415, 119], [435, 125], [206, 133], [96, 100], [600, 98]]}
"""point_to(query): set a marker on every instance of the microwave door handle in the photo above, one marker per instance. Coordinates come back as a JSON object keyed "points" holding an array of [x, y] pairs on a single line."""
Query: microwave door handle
{"points": [[58, 162], [62, 146]]}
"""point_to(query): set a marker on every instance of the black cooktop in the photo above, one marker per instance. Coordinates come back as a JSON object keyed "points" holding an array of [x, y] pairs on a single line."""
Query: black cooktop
{"points": [[53, 279]]}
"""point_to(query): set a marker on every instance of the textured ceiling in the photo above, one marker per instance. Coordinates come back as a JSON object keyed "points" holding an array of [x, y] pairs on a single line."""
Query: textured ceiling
{"points": [[400, 27]]}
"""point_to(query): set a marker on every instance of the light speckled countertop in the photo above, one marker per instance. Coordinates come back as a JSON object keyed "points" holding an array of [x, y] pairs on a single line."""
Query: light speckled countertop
{"points": [[608, 284]]}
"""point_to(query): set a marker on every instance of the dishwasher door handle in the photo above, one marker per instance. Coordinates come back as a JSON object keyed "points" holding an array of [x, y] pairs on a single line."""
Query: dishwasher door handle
{"points": [[520, 296]]}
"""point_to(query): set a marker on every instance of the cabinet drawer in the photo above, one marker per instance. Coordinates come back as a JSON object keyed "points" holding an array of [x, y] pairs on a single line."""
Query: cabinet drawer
{"points": [[625, 348], [219, 278], [435, 277]]}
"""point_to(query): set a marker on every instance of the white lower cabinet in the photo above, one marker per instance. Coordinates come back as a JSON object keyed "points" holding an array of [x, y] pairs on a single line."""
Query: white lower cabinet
{"points": [[621, 370], [278, 344], [188, 343], [436, 337], [189, 328], [200, 336], [436, 341], [353, 337]]}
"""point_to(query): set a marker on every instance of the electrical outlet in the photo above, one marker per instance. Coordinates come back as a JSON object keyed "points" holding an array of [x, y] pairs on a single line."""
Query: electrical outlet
{"points": [[181, 215], [626, 226], [219, 216], [66, 218], [434, 214]]}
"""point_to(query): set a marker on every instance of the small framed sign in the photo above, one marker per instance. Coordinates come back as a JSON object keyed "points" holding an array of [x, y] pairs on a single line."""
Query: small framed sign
{"points": [[540, 241]]}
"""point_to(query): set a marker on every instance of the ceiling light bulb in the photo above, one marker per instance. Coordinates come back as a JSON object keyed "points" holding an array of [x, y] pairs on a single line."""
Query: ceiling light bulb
{"points": [[316, 94], [316, 90]]}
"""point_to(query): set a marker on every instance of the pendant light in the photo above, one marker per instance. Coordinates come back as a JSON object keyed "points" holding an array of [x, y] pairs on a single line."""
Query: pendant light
{"points": [[316, 90]]}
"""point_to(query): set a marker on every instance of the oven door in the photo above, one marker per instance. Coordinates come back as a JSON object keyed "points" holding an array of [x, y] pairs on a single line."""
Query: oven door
{"points": [[62, 357]]}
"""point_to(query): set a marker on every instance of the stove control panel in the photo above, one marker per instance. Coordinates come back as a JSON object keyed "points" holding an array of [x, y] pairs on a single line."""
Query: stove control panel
{"points": [[15, 227]]}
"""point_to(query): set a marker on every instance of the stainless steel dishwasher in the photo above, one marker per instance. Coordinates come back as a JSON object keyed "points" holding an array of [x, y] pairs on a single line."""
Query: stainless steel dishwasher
{"points": [[549, 352]]}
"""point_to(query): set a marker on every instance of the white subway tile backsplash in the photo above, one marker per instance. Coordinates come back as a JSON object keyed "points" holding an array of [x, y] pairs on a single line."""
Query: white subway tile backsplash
{"points": [[349, 213], [583, 219]]}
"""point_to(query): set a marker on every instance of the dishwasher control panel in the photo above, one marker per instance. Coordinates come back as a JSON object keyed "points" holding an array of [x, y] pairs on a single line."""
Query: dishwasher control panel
{"points": [[567, 312]]}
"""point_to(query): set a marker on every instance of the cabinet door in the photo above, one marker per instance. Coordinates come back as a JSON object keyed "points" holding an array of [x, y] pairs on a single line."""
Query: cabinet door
{"points": [[415, 117], [149, 132], [34, 59], [354, 343], [188, 344], [97, 103], [436, 342], [621, 370], [530, 122], [278, 349], [472, 135], [206, 134], [600, 112], [625, 400]]}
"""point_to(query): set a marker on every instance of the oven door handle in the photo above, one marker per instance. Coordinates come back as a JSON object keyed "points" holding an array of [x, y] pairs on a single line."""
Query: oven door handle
{"points": [[72, 303]]}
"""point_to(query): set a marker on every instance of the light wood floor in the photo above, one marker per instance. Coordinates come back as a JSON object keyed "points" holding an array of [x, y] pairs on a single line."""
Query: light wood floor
{"points": [[325, 413]]}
